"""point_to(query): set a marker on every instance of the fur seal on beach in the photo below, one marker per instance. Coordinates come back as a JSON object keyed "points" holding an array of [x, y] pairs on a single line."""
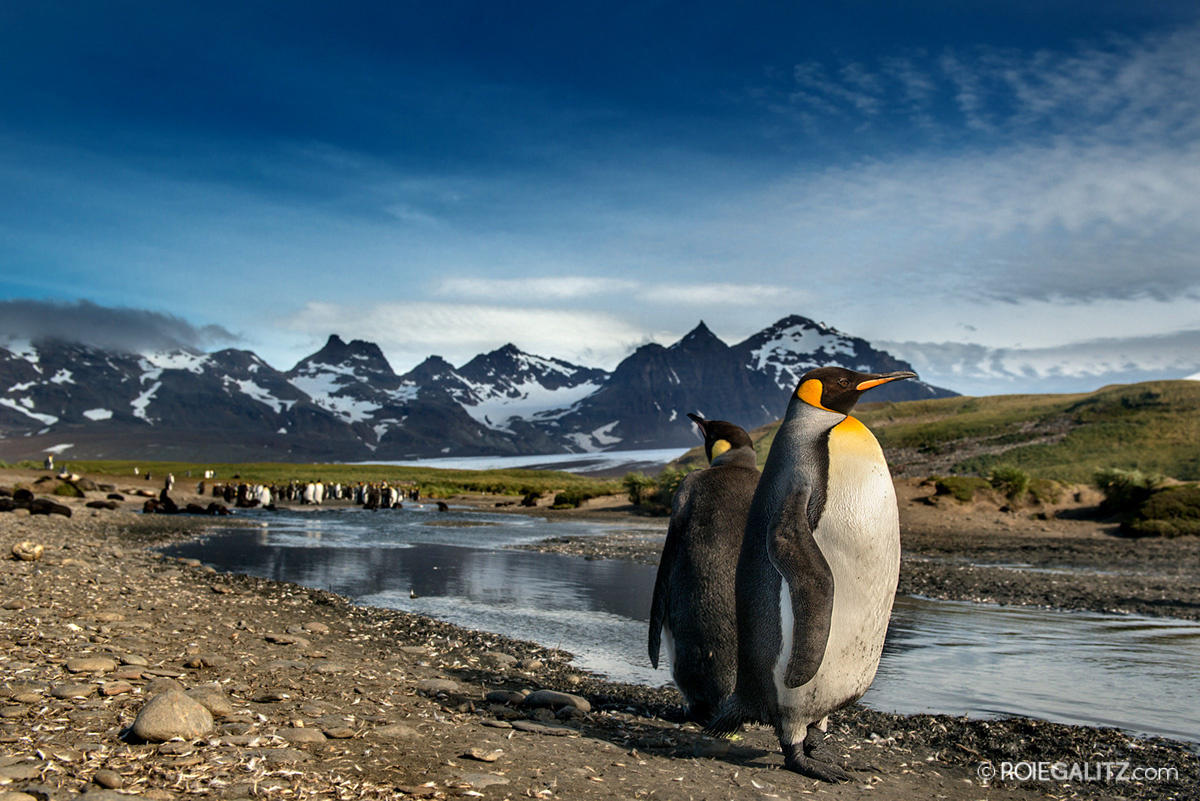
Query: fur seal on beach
{"points": [[693, 607], [817, 572]]}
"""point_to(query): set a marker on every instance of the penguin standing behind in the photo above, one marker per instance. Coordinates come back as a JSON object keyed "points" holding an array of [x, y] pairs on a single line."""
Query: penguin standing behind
{"points": [[693, 607], [817, 572]]}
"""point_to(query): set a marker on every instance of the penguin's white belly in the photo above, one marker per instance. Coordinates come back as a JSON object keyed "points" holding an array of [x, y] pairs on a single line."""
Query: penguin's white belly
{"points": [[859, 536]]}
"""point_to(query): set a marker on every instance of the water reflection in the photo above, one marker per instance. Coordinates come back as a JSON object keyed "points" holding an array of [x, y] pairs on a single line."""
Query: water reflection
{"points": [[958, 658], [1135, 673]]}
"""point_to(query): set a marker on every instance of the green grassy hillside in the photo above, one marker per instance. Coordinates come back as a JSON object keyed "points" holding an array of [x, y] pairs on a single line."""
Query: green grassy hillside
{"points": [[1153, 427]]}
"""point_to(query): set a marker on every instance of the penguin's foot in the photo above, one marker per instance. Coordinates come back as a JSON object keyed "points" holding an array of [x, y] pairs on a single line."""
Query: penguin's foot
{"points": [[819, 751], [797, 761], [815, 746]]}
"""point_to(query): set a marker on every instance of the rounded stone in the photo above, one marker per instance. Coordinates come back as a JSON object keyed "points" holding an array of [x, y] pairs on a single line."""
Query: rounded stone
{"points": [[283, 755], [91, 664], [73, 691], [108, 779], [302, 735], [505, 697], [555, 700], [395, 730], [213, 699], [497, 660], [22, 771], [435, 686], [172, 714], [206, 661]]}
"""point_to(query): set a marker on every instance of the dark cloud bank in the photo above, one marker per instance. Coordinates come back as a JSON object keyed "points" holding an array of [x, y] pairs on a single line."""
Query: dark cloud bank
{"points": [[120, 329]]}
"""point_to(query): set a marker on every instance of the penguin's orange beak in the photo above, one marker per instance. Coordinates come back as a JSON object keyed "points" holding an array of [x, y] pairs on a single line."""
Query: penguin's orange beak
{"points": [[879, 380]]}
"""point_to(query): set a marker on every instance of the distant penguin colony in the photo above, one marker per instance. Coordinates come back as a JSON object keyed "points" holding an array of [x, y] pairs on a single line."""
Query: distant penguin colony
{"points": [[817, 572], [693, 611]]}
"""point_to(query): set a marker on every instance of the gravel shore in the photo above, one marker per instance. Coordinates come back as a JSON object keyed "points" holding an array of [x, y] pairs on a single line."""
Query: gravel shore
{"points": [[302, 694]]}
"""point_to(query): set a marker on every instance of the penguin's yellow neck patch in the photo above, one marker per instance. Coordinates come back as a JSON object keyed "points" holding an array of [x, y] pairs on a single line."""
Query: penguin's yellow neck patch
{"points": [[851, 436], [719, 447], [810, 392]]}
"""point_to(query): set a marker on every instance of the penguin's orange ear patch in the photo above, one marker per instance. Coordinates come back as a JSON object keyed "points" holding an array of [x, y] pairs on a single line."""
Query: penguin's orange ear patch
{"points": [[810, 392], [719, 447]]}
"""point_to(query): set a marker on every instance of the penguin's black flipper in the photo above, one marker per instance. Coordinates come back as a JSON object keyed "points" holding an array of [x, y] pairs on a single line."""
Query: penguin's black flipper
{"points": [[795, 553], [658, 606]]}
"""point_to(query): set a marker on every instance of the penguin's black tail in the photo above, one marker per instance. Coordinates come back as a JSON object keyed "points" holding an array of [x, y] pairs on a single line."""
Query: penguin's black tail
{"points": [[729, 718]]}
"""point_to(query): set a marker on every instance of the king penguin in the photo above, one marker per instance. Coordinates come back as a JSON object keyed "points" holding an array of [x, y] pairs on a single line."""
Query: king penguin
{"points": [[693, 607], [817, 571]]}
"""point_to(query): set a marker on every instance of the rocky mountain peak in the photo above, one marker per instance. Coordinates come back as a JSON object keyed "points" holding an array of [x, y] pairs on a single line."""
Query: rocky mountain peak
{"points": [[434, 368], [358, 356], [699, 338]]}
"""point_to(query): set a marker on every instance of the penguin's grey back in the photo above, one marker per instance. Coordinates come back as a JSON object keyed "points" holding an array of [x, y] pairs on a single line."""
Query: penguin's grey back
{"points": [[696, 580]]}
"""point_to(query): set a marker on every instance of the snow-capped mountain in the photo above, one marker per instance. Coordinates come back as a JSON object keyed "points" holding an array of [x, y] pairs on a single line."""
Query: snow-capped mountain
{"points": [[645, 402], [507, 386], [791, 347], [172, 404], [345, 402]]}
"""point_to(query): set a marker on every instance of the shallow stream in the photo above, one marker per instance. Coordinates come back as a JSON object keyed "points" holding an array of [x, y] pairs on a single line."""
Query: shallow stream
{"points": [[1136, 673]]}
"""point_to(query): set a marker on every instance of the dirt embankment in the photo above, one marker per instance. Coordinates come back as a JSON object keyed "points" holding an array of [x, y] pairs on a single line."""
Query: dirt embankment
{"points": [[310, 696]]}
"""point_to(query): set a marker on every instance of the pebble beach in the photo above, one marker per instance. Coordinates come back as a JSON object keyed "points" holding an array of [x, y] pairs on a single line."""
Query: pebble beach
{"points": [[127, 673]]}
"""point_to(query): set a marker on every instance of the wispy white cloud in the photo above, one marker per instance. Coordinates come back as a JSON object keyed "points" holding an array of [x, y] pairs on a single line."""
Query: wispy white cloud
{"points": [[631, 293], [1078, 366], [718, 295], [1070, 221], [1116, 89], [536, 289], [408, 332]]}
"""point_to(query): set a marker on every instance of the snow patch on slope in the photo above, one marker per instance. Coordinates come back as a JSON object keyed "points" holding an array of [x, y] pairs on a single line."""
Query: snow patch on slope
{"points": [[524, 401], [23, 349], [25, 407], [176, 360], [262, 395], [141, 402], [597, 439]]}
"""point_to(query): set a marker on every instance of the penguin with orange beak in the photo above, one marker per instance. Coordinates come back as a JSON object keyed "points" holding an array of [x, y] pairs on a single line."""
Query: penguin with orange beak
{"points": [[817, 571]]}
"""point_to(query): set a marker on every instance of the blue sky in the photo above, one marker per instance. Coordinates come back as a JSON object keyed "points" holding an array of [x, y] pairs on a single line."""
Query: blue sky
{"points": [[1006, 193]]}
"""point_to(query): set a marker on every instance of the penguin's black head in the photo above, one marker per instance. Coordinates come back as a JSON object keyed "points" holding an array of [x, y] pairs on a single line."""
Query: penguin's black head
{"points": [[838, 389], [720, 436]]}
